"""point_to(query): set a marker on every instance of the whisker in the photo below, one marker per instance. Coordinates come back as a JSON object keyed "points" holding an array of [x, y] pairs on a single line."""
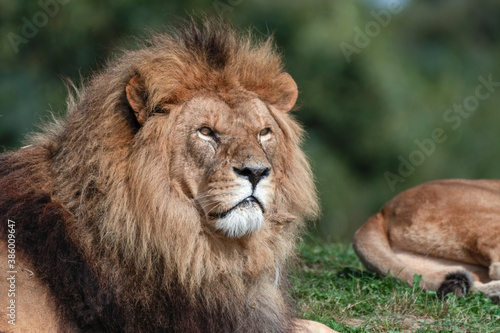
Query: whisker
{"points": [[203, 202], [214, 208], [208, 204], [203, 196]]}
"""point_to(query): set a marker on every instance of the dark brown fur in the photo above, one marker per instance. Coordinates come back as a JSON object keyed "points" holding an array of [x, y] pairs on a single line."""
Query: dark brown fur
{"points": [[458, 283]]}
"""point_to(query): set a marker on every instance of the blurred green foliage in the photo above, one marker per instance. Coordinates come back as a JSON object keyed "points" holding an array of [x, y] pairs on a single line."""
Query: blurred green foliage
{"points": [[362, 114]]}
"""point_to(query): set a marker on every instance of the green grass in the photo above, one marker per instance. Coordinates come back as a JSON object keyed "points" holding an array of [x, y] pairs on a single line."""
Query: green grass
{"points": [[331, 286]]}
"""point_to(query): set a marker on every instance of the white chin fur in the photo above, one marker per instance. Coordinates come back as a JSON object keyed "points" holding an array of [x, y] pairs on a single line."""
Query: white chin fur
{"points": [[241, 221]]}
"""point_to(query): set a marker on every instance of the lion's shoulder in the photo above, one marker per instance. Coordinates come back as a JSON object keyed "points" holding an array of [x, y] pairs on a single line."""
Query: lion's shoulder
{"points": [[28, 306]]}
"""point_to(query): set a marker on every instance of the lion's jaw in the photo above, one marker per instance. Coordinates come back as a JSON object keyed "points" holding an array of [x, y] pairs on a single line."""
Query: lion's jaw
{"points": [[247, 213], [234, 146]]}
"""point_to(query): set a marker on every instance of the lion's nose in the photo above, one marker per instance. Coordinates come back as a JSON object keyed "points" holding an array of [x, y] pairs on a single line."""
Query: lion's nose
{"points": [[254, 175]]}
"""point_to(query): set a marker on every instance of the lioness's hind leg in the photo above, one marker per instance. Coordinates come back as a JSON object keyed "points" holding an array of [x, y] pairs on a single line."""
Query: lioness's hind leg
{"points": [[494, 271]]}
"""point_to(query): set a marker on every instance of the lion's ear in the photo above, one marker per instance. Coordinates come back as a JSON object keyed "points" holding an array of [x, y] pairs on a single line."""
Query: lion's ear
{"points": [[137, 98], [289, 92]]}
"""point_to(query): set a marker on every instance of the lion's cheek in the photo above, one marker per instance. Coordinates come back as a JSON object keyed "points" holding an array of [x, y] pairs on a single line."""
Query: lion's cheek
{"points": [[192, 169]]}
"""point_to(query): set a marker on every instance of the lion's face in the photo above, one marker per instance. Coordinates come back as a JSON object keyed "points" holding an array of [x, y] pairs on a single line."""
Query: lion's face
{"points": [[229, 146], [228, 168]]}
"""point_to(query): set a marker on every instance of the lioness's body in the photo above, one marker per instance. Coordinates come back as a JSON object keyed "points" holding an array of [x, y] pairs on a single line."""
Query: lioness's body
{"points": [[434, 229]]}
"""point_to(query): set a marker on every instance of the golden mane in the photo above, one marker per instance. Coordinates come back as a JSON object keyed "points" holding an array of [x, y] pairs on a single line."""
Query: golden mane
{"points": [[130, 217]]}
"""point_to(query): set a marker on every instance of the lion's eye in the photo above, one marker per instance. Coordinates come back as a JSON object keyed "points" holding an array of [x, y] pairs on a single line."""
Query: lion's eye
{"points": [[206, 131], [158, 110], [265, 131]]}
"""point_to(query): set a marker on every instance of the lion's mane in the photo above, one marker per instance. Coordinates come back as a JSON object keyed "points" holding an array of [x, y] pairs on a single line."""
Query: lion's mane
{"points": [[106, 225]]}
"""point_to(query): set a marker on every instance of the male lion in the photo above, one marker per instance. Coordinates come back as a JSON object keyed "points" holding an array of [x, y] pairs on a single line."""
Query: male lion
{"points": [[169, 200], [447, 231]]}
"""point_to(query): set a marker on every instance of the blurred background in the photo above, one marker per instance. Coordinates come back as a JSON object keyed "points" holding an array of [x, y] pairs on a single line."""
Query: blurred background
{"points": [[393, 93]]}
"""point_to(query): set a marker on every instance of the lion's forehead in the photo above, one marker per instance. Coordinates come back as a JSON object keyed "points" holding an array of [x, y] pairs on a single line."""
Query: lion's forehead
{"points": [[248, 113]]}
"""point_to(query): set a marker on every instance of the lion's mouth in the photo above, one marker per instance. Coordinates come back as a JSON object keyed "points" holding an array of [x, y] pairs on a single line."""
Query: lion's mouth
{"points": [[249, 201]]}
